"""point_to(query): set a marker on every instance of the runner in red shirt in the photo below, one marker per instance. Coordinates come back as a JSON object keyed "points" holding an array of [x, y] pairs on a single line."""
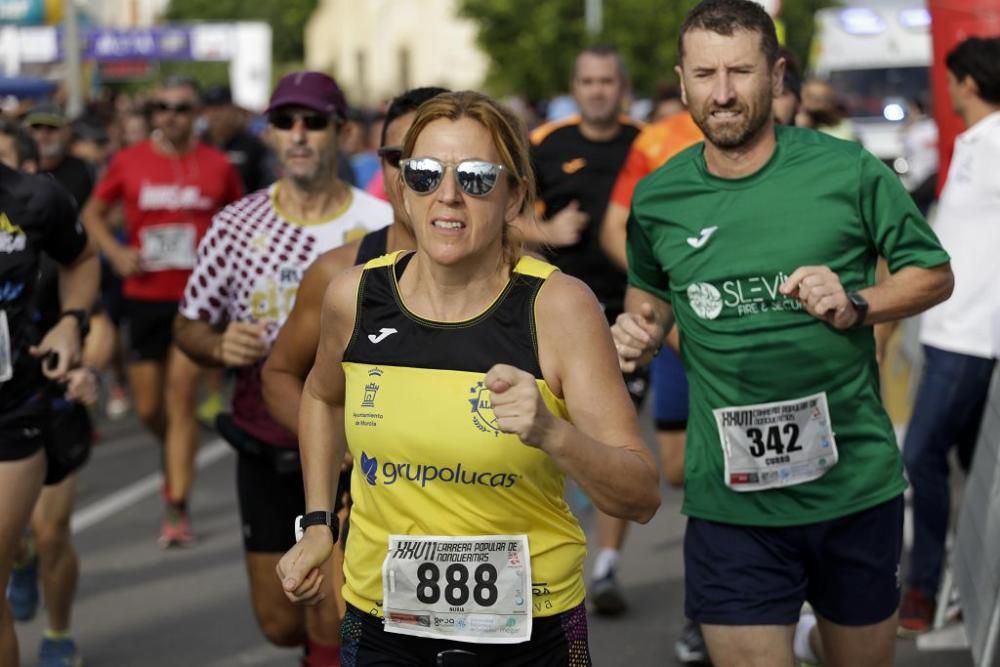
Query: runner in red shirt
{"points": [[171, 186]]}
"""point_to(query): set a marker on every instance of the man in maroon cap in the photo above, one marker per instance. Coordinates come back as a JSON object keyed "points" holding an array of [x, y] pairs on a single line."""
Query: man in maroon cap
{"points": [[241, 290]]}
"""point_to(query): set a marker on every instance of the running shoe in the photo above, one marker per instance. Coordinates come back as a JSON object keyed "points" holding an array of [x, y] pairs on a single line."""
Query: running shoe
{"points": [[607, 595], [22, 589], [690, 647], [916, 613], [58, 653], [175, 531], [210, 408], [118, 402]]}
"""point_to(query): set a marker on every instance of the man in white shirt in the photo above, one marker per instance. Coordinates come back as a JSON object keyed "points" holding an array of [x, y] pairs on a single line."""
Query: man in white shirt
{"points": [[957, 335], [240, 292]]}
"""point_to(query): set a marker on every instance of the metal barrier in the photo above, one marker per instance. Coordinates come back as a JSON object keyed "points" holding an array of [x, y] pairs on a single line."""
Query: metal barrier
{"points": [[975, 559]]}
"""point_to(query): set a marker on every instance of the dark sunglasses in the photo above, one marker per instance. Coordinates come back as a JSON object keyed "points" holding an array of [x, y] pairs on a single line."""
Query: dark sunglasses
{"points": [[391, 155], [424, 175], [285, 120], [163, 107]]}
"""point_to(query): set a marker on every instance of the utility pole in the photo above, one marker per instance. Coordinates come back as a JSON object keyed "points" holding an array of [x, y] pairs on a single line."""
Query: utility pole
{"points": [[71, 60], [595, 17]]}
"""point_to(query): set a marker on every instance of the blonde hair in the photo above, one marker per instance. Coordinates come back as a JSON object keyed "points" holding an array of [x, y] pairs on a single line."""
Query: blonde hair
{"points": [[508, 137]]}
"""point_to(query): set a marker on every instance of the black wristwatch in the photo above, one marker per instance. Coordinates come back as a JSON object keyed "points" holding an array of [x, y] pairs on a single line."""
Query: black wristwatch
{"points": [[82, 319], [860, 308], [317, 519]]}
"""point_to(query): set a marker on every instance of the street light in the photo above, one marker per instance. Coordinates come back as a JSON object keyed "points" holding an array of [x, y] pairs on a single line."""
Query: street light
{"points": [[71, 60], [595, 16]]}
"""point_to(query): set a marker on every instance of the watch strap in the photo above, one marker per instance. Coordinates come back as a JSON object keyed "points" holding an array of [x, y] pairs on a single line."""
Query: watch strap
{"points": [[860, 309], [82, 320], [318, 518]]}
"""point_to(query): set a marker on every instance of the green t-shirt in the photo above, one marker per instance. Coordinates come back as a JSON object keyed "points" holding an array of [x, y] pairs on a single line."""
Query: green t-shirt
{"points": [[718, 249]]}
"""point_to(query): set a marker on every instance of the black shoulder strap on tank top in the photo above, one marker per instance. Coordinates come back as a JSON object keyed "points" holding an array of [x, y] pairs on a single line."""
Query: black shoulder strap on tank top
{"points": [[373, 244]]}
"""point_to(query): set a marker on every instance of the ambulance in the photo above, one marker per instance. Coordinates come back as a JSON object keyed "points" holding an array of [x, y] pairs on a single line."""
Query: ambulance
{"points": [[877, 55]]}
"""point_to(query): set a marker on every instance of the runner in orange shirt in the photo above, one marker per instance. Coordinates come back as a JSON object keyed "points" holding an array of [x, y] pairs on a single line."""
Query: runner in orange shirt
{"points": [[656, 144]]}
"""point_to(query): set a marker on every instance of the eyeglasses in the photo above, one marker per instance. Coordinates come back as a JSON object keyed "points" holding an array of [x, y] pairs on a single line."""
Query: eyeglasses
{"points": [[391, 154], [424, 175], [163, 107], [285, 120]]}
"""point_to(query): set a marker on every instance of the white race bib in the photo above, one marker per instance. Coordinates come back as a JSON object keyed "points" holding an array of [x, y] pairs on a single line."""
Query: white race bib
{"points": [[168, 247], [771, 445], [472, 589], [6, 366]]}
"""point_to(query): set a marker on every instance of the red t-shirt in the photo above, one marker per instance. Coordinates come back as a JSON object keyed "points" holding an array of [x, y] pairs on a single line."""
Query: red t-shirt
{"points": [[169, 204]]}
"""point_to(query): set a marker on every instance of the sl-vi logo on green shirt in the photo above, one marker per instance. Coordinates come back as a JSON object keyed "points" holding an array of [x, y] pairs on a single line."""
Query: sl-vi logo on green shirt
{"points": [[749, 296]]}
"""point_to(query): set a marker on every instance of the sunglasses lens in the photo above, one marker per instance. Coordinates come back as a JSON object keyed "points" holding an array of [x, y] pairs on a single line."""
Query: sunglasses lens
{"points": [[281, 121], [163, 107], [286, 121], [391, 155], [477, 178], [316, 122], [422, 175]]}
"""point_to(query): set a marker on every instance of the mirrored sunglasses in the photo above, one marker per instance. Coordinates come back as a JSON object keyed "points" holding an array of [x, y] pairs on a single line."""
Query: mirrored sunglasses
{"points": [[424, 175]]}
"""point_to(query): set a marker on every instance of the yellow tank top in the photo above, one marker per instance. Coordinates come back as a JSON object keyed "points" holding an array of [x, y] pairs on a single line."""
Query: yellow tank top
{"points": [[428, 458]]}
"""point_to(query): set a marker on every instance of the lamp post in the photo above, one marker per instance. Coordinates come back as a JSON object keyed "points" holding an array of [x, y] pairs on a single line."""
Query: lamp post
{"points": [[71, 60], [595, 16]]}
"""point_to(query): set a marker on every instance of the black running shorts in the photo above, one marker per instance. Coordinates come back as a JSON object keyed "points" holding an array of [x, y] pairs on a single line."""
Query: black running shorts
{"points": [[24, 430], [150, 329], [846, 568], [72, 438], [269, 503], [556, 641]]}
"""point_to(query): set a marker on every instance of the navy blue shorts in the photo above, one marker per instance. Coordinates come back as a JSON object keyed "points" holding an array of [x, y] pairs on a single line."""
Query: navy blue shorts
{"points": [[556, 641], [670, 391], [847, 568]]}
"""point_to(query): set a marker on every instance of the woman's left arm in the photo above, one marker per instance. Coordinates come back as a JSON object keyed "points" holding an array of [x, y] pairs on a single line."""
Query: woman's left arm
{"points": [[602, 449]]}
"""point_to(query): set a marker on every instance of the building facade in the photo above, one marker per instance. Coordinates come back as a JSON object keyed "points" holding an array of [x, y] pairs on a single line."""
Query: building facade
{"points": [[378, 48]]}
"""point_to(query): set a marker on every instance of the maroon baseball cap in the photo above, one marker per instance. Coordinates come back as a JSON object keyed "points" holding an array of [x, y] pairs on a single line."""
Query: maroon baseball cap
{"points": [[312, 90]]}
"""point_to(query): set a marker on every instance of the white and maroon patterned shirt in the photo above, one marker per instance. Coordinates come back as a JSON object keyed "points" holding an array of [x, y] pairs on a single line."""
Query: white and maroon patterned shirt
{"points": [[249, 267]]}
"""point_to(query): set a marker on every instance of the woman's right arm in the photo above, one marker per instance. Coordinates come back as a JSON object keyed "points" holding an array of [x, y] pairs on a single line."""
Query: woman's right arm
{"points": [[322, 442]]}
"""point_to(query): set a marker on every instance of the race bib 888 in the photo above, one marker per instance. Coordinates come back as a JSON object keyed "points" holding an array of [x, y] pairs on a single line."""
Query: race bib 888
{"points": [[474, 589]]}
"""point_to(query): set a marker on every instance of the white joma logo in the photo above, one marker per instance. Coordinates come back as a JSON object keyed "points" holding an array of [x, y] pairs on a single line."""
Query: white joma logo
{"points": [[703, 239], [383, 333]]}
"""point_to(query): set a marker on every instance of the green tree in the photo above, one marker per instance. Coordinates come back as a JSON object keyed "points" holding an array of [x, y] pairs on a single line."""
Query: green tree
{"points": [[531, 43]]}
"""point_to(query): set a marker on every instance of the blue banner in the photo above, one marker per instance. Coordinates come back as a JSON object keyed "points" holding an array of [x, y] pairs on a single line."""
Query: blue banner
{"points": [[159, 43]]}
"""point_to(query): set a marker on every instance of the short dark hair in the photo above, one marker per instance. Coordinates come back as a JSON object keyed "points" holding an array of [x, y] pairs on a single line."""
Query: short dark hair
{"points": [[605, 51], [793, 73], [406, 102], [182, 81], [666, 92], [24, 143], [978, 57], [724, 17]]}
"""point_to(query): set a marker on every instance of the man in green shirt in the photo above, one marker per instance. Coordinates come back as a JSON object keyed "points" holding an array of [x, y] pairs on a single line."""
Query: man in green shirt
{"points": [[762, 243]]}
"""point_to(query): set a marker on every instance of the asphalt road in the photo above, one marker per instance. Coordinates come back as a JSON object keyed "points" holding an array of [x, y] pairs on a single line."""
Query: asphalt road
{"points": [[139, 605]]}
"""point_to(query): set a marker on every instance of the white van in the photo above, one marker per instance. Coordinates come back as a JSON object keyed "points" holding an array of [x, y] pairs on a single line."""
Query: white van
{"points": [[877, 55]]}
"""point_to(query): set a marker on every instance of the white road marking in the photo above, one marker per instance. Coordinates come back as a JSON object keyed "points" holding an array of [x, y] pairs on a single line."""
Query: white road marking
{"points": [[125, 497]]}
